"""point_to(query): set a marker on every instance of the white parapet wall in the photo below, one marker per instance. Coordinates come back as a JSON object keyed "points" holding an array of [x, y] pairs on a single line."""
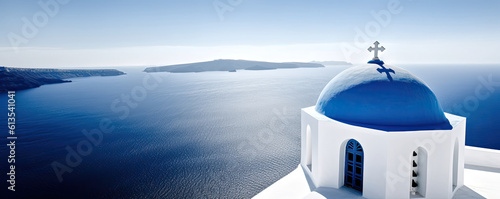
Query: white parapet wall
{"points": [[482, 157]]}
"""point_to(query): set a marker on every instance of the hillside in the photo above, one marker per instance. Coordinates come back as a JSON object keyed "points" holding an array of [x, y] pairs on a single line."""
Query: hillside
{"points": [[229, 65], [25, 78]]}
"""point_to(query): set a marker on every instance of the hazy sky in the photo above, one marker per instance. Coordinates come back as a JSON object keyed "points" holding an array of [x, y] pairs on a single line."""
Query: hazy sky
{"points": [[77, 33]]}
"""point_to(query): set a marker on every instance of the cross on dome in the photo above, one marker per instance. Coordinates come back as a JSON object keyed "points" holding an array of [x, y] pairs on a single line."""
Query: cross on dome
{"points": [[376, 49]]}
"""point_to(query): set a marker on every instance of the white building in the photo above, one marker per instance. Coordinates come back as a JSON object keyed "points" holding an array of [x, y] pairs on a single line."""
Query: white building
{"points": [[378, 130], [385, 137]]}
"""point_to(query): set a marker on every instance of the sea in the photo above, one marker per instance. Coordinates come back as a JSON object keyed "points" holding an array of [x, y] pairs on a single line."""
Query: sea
{"points": [[194, 135]]}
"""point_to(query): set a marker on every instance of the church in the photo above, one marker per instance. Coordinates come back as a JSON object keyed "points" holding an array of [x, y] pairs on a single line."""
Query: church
{"points": [[377, 130]]}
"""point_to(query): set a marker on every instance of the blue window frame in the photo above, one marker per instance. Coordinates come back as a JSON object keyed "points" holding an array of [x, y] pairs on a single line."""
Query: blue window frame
{"points": [[353, 174]]}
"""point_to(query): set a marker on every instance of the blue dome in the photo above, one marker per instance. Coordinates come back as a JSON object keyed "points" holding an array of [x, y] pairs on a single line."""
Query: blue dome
{"points": [[381, 97]]}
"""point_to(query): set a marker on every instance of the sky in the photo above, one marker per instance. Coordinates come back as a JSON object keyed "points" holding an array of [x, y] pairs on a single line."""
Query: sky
{"points": [[92, 33]]}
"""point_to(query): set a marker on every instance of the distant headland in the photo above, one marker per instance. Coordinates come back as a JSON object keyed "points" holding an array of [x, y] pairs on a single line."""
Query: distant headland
{"points": [[232, 65], [332, 62], [25, 78]]}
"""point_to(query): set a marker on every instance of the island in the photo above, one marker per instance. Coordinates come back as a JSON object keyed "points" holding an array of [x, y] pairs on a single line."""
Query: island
{"points": [[24, 78], [332, 62], [229, 65]]}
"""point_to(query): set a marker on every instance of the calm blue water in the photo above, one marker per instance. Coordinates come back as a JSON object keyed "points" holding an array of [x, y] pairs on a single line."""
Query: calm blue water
{"points": [[198, 135]]}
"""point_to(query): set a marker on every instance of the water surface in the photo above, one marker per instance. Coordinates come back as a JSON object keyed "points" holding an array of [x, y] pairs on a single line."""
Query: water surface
{"points": [[198, 135]]}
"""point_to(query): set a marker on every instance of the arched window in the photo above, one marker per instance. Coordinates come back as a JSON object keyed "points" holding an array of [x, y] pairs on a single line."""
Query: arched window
{"points": [[353, 174], [455, 165], [308, 148]]}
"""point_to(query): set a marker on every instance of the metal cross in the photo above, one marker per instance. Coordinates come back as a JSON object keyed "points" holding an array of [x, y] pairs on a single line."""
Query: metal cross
{"points": [[376, 49]]}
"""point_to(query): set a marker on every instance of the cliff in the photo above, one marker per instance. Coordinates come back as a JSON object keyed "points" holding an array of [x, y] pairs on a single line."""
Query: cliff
{"points": [[25, 78]]}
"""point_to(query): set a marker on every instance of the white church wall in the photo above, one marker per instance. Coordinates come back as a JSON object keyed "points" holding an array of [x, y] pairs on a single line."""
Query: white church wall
{"points": [[421, 170], [435, 168], [440, 166], [333, 136], [387, 157], [375, 148], [339, 172], [328, 147], [308, 150], [304, 123], [459, 127], [459, 131], [399, 164], [309, 120], [454, 165]]}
